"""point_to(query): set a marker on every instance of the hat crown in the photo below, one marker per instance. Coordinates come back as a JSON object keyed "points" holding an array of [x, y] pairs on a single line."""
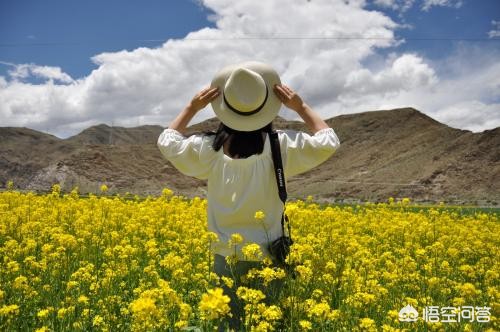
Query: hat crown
{"points": [[245, 90]]}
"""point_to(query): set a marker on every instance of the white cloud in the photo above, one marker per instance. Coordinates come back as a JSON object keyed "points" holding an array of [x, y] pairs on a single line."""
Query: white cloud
{"points": [[405, 73], [475, 113], [496, 30], [404, 5], [467, 97], [399, 5], [25, 71], [428, 4], [152, 85]]}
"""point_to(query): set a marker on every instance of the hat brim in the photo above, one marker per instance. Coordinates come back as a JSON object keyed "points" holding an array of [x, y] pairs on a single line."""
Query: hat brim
{"points": [[247, 122]]}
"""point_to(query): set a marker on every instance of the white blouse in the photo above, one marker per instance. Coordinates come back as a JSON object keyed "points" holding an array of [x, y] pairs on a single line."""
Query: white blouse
{"points": [[238, 188]]}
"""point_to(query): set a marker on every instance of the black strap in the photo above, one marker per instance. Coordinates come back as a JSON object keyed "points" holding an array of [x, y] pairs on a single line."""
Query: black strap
{"points": [[278, 165], [280, 175]]}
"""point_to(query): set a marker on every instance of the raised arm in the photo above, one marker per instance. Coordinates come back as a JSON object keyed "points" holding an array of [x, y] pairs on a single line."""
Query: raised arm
{"points": [[292, 100], [199, 101]]}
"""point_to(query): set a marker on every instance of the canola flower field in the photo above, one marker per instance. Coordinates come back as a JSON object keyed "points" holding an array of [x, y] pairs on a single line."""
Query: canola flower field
{"points": [[128, 264]]}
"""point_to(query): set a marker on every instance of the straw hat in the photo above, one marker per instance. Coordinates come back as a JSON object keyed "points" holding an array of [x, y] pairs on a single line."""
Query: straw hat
{"points": [[247, 101]]}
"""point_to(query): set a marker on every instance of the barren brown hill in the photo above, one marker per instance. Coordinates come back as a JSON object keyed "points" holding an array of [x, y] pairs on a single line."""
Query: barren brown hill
{"points": [[395, 153]]}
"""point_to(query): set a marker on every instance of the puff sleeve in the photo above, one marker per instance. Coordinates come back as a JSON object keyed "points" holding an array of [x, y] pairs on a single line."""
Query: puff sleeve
{"points": [[301, 152], [192, 156]]}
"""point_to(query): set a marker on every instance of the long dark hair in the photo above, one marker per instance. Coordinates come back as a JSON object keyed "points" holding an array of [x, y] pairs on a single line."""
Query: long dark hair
{"points": [[242, 143]]}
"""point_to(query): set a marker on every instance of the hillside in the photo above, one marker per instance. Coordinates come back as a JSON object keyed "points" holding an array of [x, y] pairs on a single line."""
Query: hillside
{"points": [[398, 153]]}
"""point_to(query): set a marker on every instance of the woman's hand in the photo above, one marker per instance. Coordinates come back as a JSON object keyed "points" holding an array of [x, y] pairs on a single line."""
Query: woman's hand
{"points": [[293, 101], [288, 97], [202, 98], [199, 101]]}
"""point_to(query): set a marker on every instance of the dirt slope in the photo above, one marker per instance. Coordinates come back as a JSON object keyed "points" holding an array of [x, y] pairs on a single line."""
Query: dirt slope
{"points": [[398, 153]]}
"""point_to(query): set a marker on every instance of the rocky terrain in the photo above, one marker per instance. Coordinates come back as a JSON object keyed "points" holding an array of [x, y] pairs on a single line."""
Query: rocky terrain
{"points": [[394, 153]]}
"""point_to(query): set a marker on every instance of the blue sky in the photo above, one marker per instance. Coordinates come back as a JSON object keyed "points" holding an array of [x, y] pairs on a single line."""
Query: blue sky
{"points": [[74, 31], [51, 48]]}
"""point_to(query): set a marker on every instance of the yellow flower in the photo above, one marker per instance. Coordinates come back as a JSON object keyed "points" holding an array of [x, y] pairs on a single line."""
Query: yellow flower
{"points": [[6, 310], [181, 325], [83, 299], [13, 266], [231, 259], [228, 281], [305, 325], [20, 282], [334, 314], [252, 252], [143, 308], [362, 251], [262, 326], [368, 324], [214, 304], [97, 321], [63, 312], [250, 295], [319, 310], [304, 272], [467, 290], [104, 188], [268, 274], [43, 329], [235, 239], [317, 294], [259, 216], [272, 313], [167, 192], [56, 189], [43, 313]]}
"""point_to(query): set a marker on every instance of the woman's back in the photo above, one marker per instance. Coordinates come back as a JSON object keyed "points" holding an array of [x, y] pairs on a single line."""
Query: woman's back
{"points": [[239, 187], [239, 167]]}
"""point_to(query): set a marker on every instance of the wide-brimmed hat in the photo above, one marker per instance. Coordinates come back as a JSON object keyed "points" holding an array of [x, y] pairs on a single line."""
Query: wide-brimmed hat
{"points": [[247, 101]]}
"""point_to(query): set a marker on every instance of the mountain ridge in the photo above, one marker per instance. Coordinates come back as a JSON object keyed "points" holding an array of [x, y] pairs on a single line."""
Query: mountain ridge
{"points": [[387, 153]]}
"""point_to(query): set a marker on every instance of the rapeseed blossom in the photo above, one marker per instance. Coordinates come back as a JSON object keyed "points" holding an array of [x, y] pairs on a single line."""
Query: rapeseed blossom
{"points": [[252, 252], [135, 264], [214, 304]]}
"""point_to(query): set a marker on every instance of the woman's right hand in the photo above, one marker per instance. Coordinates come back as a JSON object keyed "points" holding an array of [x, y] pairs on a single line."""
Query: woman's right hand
{"points": [[202, 98], [288, 97]]}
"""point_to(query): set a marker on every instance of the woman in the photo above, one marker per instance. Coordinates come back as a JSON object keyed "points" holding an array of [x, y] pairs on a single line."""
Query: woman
{"points": [[237, 160]]}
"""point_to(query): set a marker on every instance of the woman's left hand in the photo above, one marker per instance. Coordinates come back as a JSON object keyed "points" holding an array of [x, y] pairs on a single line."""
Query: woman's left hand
{"points": [[202, 98]]}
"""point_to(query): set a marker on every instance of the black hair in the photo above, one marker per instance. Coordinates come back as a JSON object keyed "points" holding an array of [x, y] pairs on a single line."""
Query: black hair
{"points": [[243, 143]]}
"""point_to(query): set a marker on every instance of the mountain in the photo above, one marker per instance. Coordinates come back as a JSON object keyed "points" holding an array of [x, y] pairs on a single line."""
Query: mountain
{"points": [[392, 153]]}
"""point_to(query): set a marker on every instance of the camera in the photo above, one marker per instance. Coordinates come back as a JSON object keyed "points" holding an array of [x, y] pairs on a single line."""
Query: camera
{"points": [[280, 248]]}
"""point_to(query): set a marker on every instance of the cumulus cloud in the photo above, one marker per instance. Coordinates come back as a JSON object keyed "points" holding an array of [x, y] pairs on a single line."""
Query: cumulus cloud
{"points": [[405, 73], [24, 71], [428, 4], [398, 5], [467, 97], [404, 5], [152, 85], [475, 113], [496, 30]]}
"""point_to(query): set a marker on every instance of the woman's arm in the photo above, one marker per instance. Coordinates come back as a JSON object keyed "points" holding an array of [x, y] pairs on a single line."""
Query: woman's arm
{"points": [[199, 101], [293, 101]]}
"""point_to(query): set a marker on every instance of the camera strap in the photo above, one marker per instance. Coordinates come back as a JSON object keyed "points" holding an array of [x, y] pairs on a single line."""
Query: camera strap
{"points": [[280, 176]]}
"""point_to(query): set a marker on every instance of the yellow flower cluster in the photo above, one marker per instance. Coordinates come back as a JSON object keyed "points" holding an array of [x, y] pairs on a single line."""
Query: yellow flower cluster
{"points": [[127, 263], [214, 305]]}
